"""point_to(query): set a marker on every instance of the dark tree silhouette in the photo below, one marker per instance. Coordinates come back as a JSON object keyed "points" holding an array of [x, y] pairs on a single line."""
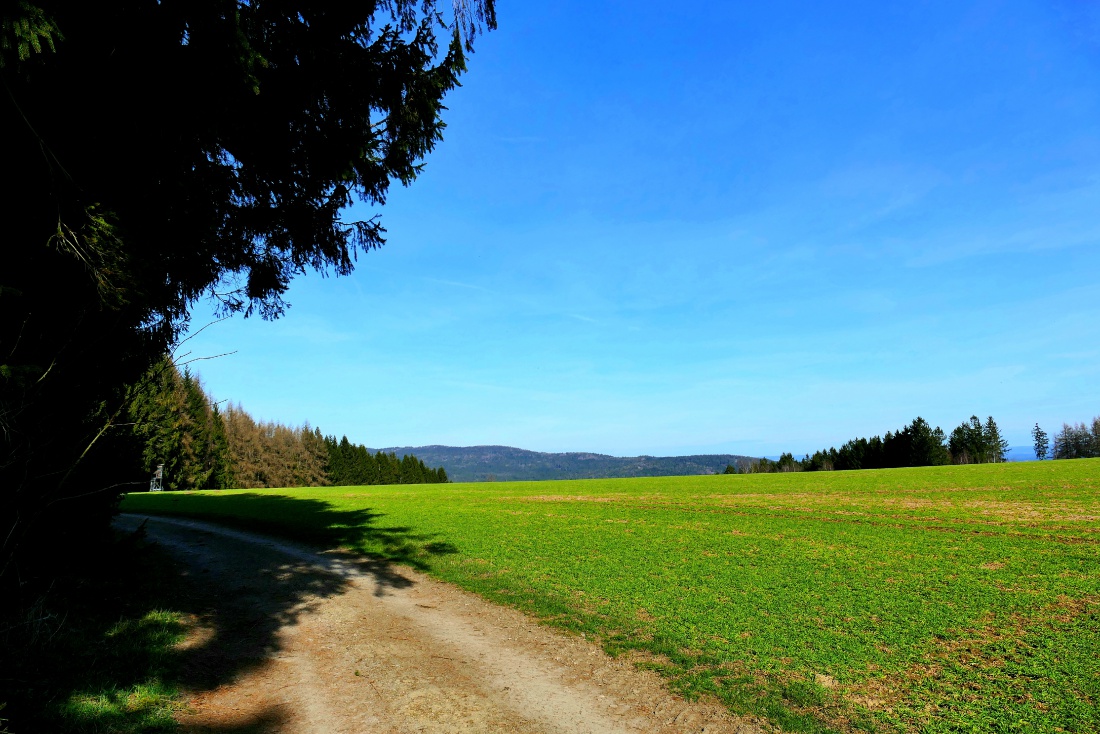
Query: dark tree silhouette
{"points": [[163, 151], [1042, 443]]}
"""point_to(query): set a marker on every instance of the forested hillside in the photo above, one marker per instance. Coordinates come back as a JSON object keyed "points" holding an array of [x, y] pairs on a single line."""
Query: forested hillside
{"points": [[203, 447], [507, 464]]}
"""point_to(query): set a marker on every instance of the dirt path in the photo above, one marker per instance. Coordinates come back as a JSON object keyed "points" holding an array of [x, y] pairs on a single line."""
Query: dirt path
{"points": [[291, 640]]}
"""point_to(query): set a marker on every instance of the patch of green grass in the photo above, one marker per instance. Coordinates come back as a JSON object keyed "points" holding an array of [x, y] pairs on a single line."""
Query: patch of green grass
{"points": [[939, 599], [94, 651]]}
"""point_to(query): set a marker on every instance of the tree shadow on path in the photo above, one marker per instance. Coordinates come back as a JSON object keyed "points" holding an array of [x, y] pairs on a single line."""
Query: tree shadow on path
{"points": [[237, 592], [308, 520], [95, 649], [241, 590]]}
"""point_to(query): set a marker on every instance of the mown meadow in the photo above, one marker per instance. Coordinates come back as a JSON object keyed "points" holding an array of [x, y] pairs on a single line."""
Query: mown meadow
{"points": [[938, 599]]}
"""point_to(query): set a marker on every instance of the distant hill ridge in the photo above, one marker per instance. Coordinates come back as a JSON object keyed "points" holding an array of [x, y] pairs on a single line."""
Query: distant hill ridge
{"points": [[508, 464]]}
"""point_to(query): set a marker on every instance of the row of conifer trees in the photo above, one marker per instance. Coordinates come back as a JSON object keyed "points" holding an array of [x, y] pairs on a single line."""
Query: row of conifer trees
{"points": [[1074, 441], [204, 447], [353, 465], [916, 444]]}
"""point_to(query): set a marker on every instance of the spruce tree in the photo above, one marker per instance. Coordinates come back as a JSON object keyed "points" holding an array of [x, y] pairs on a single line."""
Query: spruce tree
{"points": [[969, 443], [221, 475], [332, 463], [363, 472], [196, 462], [977, 440], [1064, 443], [1042, 442], [996, 446], [158, 415], [347, 463]]}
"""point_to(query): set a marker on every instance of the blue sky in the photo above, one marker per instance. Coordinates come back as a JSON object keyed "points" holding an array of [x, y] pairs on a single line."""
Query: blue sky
{"points": [[745, 227]]}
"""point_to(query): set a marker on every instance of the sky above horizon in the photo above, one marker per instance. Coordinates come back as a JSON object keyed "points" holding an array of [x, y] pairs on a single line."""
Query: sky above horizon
{"points": [[719, 228]]}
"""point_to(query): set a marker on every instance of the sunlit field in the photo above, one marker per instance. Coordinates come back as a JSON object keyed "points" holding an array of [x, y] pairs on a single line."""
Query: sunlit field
{"points": [[933, 599]]}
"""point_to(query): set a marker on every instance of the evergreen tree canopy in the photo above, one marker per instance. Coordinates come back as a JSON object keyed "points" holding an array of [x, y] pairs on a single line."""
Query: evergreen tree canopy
{"points": [[1042, 442], [1077, 441], [181, 428], [178, 425], [353, 465], [917, 444], [974, 443], [165, 150]]}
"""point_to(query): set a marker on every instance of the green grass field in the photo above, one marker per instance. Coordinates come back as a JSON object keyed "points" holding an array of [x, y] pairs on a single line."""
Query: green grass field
{"points": [[941, 599]]}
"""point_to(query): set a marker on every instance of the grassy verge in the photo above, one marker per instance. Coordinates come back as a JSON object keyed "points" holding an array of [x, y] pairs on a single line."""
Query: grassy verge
{"points": [[939, 600], [93, 650]]}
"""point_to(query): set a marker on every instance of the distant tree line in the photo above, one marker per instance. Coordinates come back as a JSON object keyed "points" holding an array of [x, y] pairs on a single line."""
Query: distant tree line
{"points": [[353, 465], [203, 447], [1079, 441], [916, 444]]}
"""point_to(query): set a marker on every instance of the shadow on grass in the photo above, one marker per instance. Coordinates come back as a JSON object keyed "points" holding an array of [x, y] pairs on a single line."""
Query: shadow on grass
{"points": [[108, 658], [91, 649], [309, 520]]}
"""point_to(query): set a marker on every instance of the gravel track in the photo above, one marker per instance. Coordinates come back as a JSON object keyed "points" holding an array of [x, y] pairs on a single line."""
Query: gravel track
{"points": [[289, 639]]}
